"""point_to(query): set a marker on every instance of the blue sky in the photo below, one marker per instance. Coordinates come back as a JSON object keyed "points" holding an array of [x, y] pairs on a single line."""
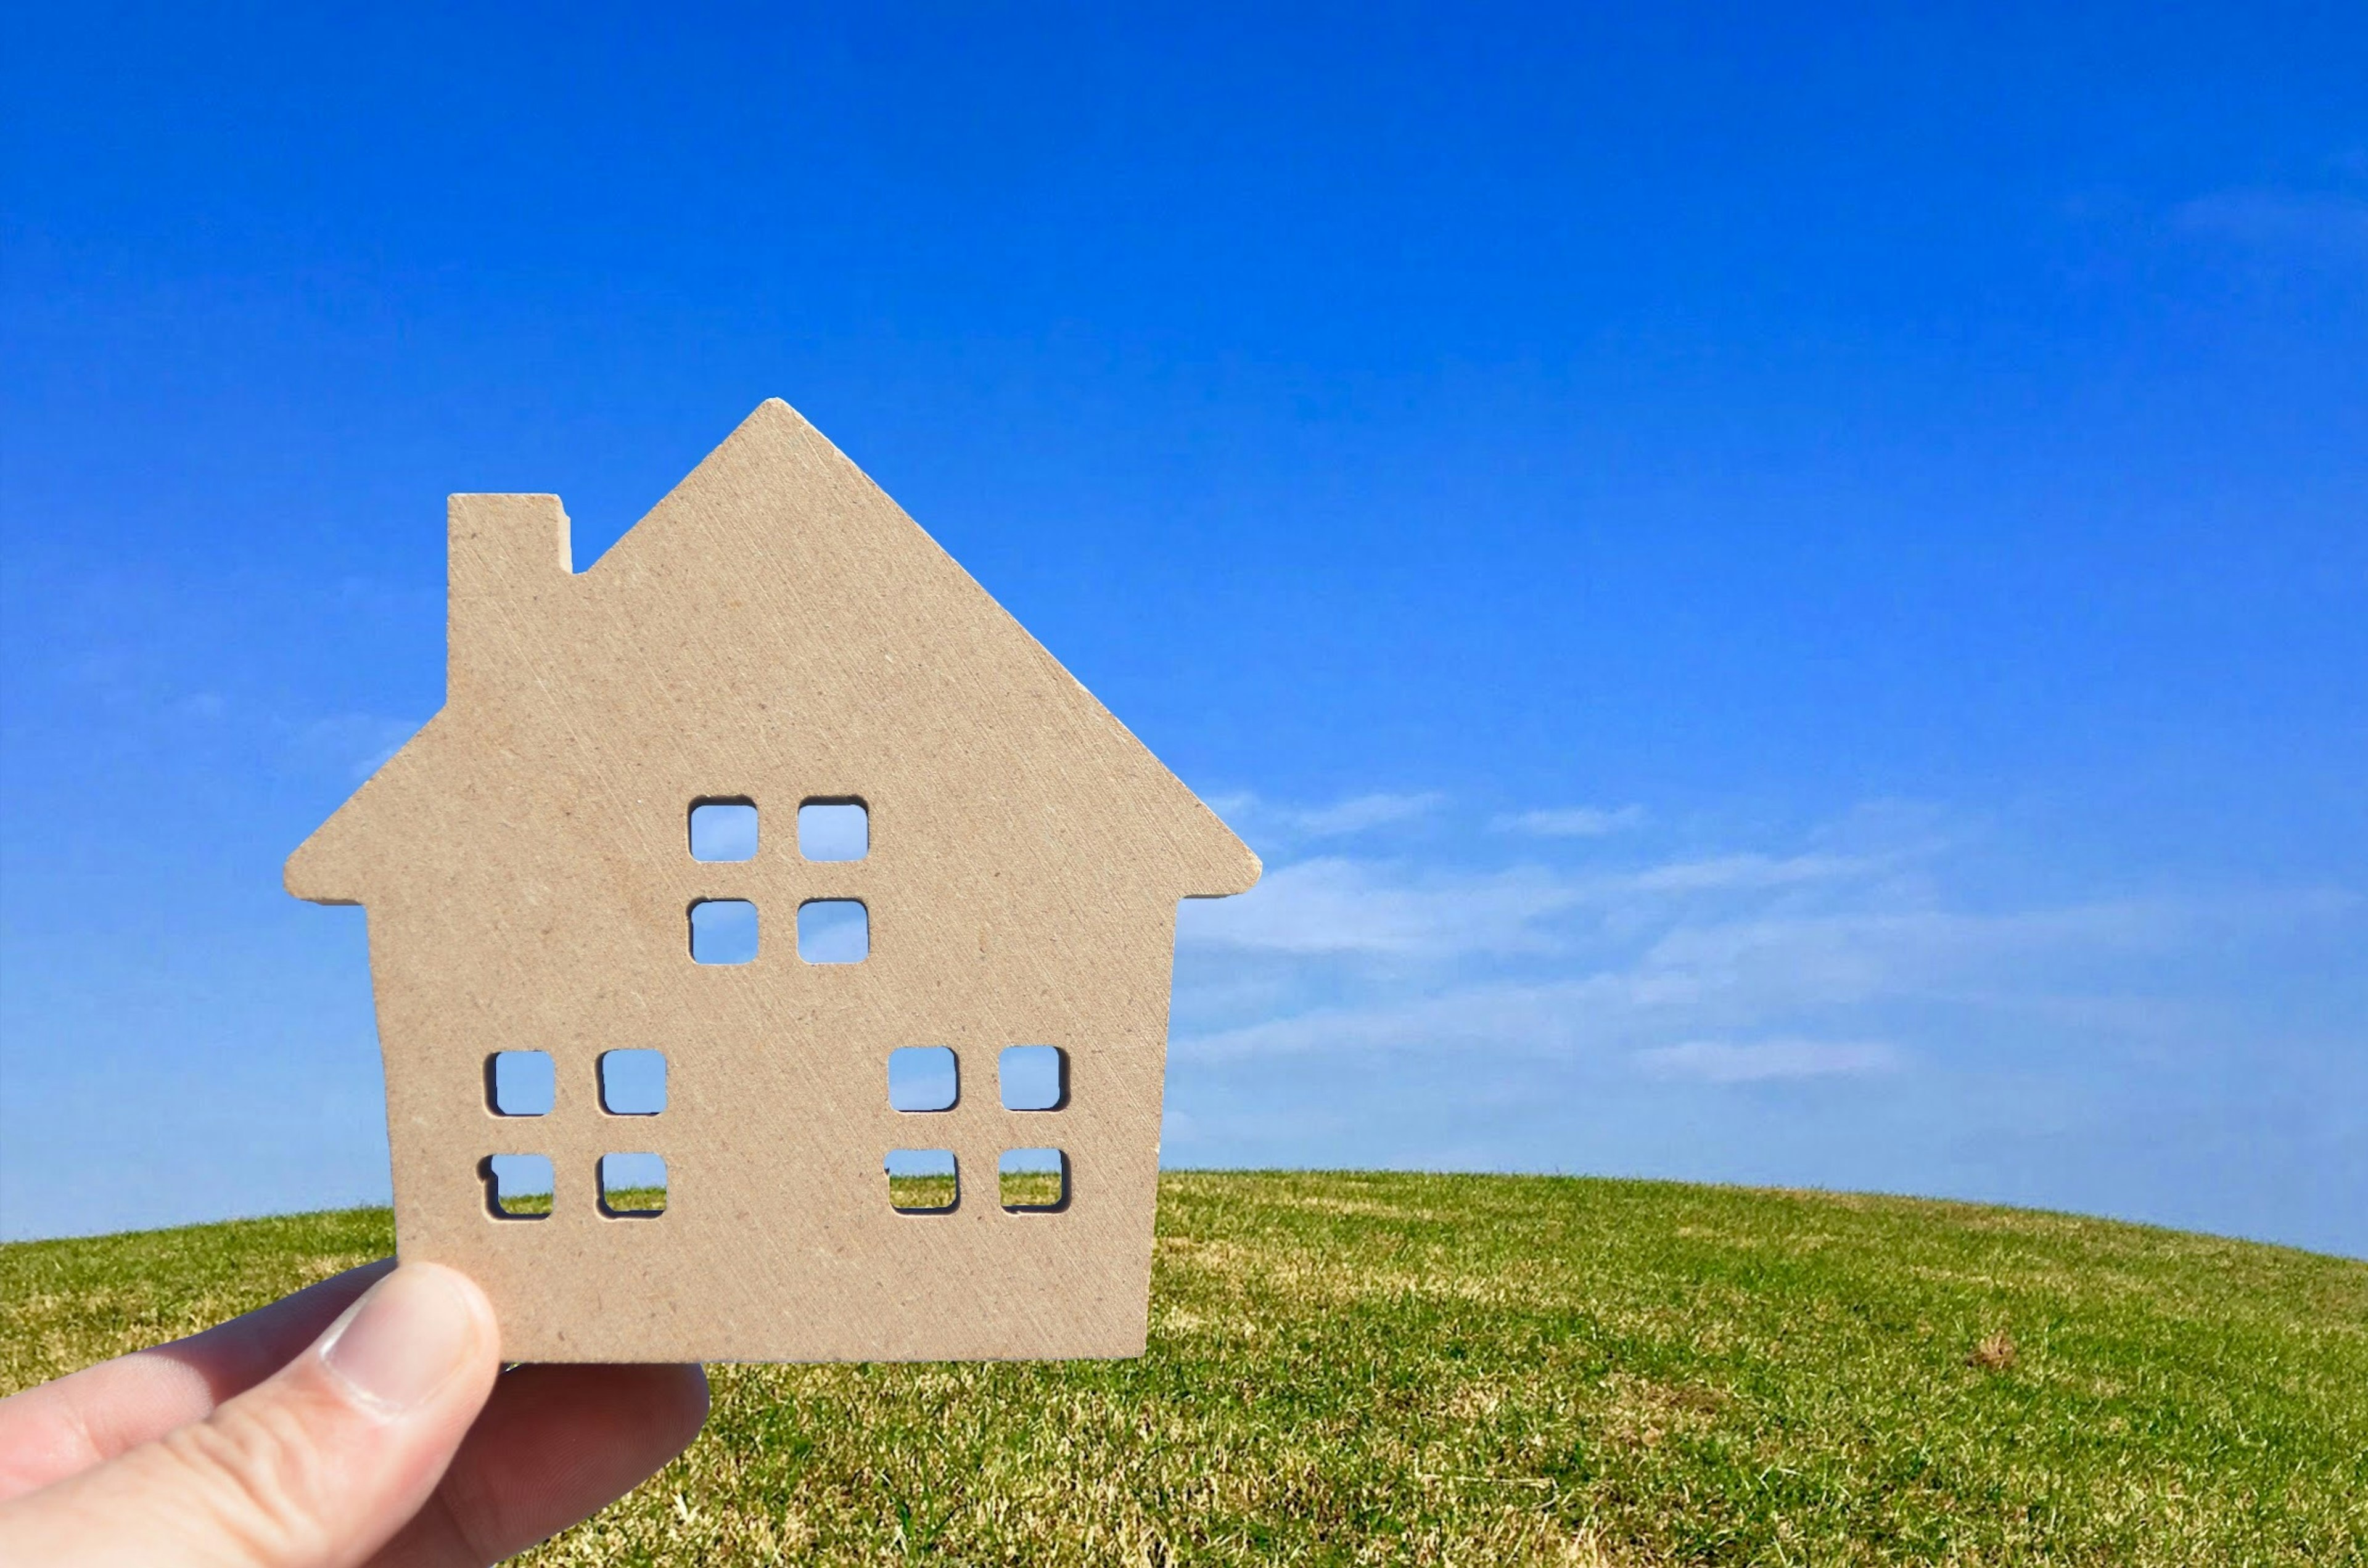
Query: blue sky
{"points": [[1783, 591]]}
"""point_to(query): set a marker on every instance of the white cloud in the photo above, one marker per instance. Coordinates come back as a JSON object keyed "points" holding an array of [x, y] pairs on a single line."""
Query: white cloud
{"points": [[1768, 966], [1730, 872], [1345, 904], [1357, 813], [1722, 1061], [1571, 822], [2297, 223], [1233, 805], [1337, 905], [1928, 1001], [1363, 811], [361, 742], [1554, 1017], [1851, 956], [1854, 954]]}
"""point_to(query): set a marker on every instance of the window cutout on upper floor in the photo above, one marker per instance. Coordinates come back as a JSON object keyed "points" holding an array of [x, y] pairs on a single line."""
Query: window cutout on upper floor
{"points": [[833, 930], [632, 1083], [518, 1186], [633, 1186], [723, 830], [923, 1078], [834, 830], [723, 930], [520, 1082], [922, 1181], [1034, 1077], [1033, 1181]]}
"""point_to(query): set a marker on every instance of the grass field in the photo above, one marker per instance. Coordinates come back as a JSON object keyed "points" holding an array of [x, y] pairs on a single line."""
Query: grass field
{"points": [[1478, 1370]]}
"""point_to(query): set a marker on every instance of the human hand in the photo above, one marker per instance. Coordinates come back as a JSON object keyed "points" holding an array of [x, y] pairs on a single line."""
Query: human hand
{"points": [[365, 1420]]}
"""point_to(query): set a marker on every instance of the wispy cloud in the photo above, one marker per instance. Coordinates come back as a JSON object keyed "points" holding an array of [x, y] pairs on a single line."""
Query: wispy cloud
{"points": [[1553, 1018], [1852, 955], [1339, 905], [1692, 983], [1365, 811], [1723, 1061], [1727, 872], [1727, 968], [2316, 224], [1357, 813], [1571, 822], [360, 742]]}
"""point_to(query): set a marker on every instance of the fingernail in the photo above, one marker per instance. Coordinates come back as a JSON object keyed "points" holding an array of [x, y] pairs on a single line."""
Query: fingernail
{"points": [[403, 1340]]}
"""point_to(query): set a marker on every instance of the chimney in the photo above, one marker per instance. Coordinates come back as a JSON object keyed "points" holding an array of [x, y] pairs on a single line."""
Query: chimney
{"points": [[509, 562]]}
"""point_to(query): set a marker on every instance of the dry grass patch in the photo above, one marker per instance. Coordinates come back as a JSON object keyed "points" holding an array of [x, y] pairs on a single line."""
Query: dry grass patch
{"points": [[1995, 1354]]}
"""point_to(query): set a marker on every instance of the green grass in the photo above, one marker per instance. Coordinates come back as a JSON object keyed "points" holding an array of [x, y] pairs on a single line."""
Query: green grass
{"points": [[1031, 1189], [1468, 1369], [621, 1200], [1014, 1190], [632, 1201], [921, 1194]]}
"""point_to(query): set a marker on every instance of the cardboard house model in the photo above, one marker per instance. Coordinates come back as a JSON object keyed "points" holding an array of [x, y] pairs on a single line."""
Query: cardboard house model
{"points": [[774, 644]]}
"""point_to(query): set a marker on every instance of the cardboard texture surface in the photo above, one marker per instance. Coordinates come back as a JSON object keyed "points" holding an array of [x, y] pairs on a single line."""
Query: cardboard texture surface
{"points": [[776, 631]]}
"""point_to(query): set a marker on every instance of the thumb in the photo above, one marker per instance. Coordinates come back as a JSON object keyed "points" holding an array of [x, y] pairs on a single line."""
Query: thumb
{"points": [[314, 1468]]}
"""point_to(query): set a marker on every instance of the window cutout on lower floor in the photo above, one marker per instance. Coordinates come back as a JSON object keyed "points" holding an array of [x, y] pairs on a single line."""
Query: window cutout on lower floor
{"points": [[1033, 1181], [518, 1186], [520, 1082], [922, 1181], [633, 1186]]}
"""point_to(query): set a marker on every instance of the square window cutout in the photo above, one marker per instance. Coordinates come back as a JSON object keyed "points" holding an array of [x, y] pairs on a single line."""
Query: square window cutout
{"points": [[632, 1083], [1033, 1181], [923, 1078], [723, 930], [723, 830], [633, 1186], [833, 930], [518, 1186], [922, 1181], [834, 830], [520, 1082], [1034, 1077]]}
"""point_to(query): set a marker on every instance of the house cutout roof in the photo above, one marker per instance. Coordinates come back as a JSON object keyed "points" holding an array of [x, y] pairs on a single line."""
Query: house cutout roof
{"points": [[777, 610]]}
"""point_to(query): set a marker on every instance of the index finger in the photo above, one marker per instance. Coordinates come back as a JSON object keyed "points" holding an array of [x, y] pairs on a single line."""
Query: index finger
{"points": [[64, 1427]]}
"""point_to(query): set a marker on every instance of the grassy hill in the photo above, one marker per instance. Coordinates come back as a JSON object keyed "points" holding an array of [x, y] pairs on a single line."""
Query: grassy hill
{"points": [[1482, 1369]]}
